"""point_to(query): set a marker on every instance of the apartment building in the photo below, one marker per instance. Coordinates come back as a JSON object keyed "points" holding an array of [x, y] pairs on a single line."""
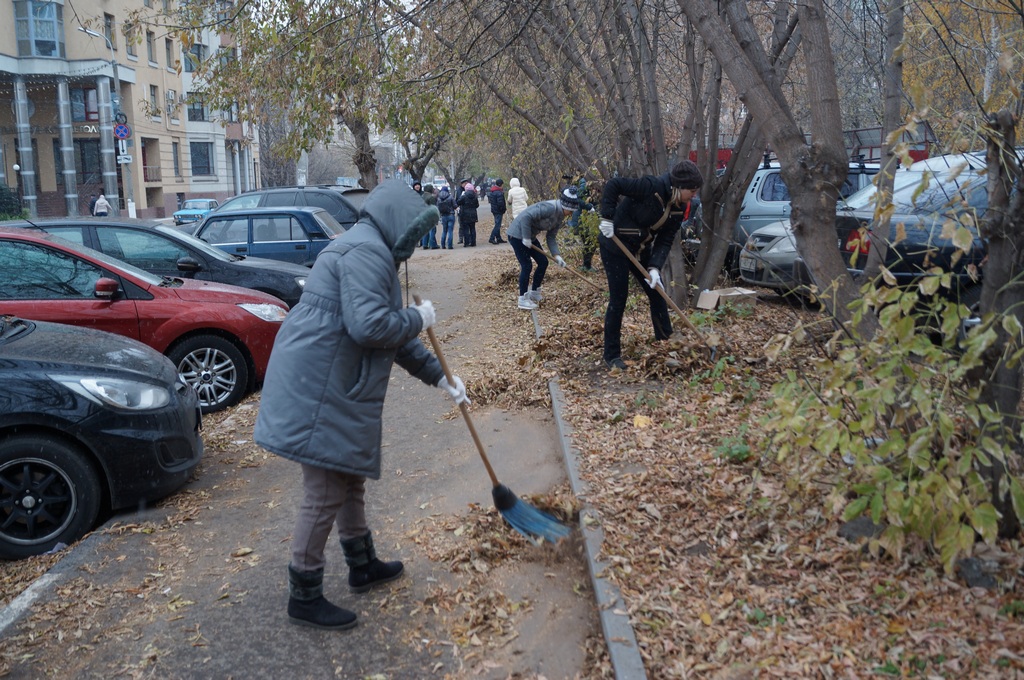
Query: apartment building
{"points": [[90, 104]]}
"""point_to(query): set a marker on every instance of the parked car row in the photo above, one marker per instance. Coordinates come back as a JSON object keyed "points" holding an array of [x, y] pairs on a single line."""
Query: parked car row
{"points": [[219, 336], [929, 199]]}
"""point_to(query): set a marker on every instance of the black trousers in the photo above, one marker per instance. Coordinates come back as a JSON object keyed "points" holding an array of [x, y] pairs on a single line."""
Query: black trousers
{"points": [[618, 268]]}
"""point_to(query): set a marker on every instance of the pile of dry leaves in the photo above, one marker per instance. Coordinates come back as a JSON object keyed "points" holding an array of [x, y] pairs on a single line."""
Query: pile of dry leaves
{"points": [[724, 573]]}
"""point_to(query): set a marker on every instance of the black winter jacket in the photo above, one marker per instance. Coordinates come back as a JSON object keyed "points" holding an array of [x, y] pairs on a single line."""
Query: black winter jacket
{"points": [[496, 197], [445, 203], [642, 205], [468, 203]]}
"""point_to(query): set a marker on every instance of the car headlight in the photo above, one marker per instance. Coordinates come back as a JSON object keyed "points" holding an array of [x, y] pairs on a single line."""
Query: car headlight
{"points": [[301, 280], [783, 245], [124, 394], [265, 311]]}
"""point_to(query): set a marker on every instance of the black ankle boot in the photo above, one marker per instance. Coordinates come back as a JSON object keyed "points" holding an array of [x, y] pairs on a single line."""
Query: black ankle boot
{"points": [[307, 605], [364, 569]]}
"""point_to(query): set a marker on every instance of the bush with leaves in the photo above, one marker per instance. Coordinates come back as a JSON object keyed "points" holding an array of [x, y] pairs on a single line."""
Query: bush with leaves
{"points": [[891, 427], [10, 206]]}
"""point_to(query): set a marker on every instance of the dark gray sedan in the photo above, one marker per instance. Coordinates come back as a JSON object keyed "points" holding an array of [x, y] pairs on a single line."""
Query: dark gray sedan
{"points": [[166, 251]]}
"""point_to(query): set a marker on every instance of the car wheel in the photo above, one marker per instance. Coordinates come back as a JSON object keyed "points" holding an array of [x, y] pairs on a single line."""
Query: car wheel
{"points": [[214, 368], [49, 494]]}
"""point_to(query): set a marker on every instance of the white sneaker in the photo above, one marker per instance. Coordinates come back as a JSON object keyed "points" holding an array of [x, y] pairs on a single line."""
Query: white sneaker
{"points": [[534, 295], [526, 303]]}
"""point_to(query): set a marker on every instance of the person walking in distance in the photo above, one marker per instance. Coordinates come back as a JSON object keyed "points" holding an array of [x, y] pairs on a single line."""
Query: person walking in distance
{"points": [[496, 197], [430, 198], [102, 207], [446, 206], [646, 221], [518, 199], [468, 204], [322, 401], [547, 217]]}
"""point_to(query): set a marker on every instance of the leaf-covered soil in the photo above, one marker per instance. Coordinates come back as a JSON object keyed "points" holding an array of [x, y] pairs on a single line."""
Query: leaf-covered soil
{"points": [[724, 573]]}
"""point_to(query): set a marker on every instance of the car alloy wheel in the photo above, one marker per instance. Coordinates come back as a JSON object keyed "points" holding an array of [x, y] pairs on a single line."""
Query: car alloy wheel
{"points": [[49, 494], [214, 368]]}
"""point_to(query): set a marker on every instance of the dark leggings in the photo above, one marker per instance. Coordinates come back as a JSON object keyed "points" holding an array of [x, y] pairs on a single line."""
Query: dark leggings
{"points": [[524, 252], [617, 268]]}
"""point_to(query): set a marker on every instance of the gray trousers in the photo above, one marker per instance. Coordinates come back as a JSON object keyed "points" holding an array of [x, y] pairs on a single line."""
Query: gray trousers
{"points": [[329, 498]]}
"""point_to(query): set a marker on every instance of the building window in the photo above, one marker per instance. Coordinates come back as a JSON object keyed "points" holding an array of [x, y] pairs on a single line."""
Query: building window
{"points": [[172, 103], [148, 3], [226, 55], [108, 30], [129, 40], [202, 158], [196, 107], [85, 105], [39, 27], [87, 161], [194, 57], [169, 52], [154, 99], [176, 158], [166, 6], [232, 113], [151, 47]]}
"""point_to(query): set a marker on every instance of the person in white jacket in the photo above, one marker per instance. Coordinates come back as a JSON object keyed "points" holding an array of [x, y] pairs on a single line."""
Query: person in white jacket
{"points": [[518, 199]]}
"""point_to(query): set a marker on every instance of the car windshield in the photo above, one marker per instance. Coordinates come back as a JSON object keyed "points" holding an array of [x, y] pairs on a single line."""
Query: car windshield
{"points": [[328, 223], [198, 244], [915, 191], [195, 205], [941, 193]]}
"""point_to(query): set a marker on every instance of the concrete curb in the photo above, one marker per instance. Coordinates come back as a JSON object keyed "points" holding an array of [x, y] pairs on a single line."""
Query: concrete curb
{"points": [[618, 632]]}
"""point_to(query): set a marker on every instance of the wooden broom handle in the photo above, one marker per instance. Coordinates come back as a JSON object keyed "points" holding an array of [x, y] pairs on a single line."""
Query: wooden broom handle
{"points": [[462, 405], [599, 288]]}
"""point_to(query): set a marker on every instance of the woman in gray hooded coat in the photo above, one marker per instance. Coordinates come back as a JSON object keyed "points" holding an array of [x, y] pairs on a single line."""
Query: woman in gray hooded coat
{"points": [[323, 397]]}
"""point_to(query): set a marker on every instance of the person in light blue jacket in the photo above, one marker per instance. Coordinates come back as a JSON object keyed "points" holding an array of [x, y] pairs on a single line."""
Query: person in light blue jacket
{"points": [[323, 397], [545, 216]]}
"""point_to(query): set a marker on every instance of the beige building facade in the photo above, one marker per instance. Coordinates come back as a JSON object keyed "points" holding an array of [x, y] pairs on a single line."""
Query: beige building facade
{"points": [[85, 110]]}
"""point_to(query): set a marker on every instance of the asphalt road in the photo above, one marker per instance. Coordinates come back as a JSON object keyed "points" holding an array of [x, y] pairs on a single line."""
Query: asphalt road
{"points": [[196, 588]]}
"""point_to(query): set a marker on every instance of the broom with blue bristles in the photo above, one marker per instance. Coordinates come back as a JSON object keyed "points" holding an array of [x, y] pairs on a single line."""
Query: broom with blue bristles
{"points": [[536, 525]]}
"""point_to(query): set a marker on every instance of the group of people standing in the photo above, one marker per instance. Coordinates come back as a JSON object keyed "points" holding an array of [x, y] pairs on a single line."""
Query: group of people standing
{"points": [[464, 206], [351, 326]]}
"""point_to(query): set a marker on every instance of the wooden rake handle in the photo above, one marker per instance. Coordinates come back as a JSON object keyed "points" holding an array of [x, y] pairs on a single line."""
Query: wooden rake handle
{"points": [[660, 289], [462, 405], [599, 288]]}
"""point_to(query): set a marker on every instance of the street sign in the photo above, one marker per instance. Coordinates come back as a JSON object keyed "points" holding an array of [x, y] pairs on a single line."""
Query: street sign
{"points": [[124, 159], [122, 131]]}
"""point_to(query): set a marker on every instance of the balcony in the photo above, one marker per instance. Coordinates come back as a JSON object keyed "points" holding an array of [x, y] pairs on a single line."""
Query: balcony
{"points": [[151, 173]]}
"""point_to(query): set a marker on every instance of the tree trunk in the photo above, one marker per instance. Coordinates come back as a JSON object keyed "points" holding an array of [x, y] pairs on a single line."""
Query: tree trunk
{"points": [[364, 158], [892, 121], [1003, 294]]}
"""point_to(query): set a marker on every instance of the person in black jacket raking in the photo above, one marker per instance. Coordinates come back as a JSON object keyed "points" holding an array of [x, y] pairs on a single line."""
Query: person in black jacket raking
{"points": [[646, 220]]}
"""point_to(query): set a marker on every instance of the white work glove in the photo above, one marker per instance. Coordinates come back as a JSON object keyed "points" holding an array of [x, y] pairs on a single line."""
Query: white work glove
{"points": [[560, 262], [655, 279], [457, 391], [607, 228], [426, 310]]}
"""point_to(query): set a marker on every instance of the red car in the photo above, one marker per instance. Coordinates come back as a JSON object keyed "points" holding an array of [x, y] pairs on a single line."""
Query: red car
{"points": [[219, 336]]}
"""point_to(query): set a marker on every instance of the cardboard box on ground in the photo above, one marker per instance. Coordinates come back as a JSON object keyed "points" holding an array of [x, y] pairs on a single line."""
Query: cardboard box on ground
{"points": [[737, 297]]}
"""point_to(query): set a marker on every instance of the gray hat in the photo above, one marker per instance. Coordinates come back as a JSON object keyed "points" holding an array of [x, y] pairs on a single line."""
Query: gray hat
{"points": [[569, 199]]}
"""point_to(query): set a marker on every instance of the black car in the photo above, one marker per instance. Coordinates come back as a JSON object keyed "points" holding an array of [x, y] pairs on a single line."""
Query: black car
{"points": [[342, 202], [89, 420], [165, 251], [929, 224], [286, 234], [168, 252]]}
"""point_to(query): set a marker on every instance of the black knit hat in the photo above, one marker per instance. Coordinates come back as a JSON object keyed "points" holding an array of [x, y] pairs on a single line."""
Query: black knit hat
{"points": [[685, 175], [569, 200], [499, 181]]}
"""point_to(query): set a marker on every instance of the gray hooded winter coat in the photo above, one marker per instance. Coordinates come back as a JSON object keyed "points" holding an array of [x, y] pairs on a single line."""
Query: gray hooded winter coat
{"points": [[323, 396]]}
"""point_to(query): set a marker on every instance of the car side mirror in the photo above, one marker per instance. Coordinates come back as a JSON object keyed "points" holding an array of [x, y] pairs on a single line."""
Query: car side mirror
{"points": [[189, 264], [106, 288]]}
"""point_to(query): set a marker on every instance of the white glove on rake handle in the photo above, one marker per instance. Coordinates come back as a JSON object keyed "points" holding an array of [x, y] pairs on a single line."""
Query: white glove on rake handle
{"points": [[456, 391]]}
